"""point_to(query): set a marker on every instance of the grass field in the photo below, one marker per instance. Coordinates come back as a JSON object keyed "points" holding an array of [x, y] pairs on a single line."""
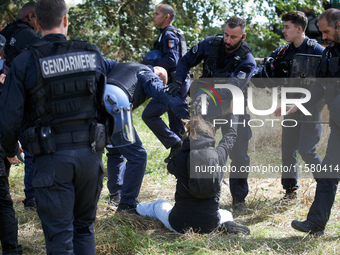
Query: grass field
{"points": [[269, 223]]}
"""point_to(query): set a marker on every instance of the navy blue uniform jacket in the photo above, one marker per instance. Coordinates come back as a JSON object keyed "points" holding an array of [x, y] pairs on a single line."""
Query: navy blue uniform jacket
{"points": [[200, 52], [20, 79]]}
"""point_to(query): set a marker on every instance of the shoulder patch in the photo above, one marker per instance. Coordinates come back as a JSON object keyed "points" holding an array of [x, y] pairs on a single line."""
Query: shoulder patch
{"points": [[241, 75], [194, 49], [311, 42], [171, 43], [12, 41]]}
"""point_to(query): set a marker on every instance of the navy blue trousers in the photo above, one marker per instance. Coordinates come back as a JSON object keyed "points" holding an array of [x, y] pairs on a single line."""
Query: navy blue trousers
{"points": [[327, 183], [238, 183], [67, 188], [161, 103], [168, 136], [125, 168], [303, 139], [155, 88], [8, 222]]}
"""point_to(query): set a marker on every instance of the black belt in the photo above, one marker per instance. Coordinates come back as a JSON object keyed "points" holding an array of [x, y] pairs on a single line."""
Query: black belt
{"points": [[72, 140], [72, 137]]}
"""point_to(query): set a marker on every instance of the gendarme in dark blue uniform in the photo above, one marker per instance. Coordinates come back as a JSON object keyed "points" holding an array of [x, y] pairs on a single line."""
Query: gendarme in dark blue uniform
{"points": [[327, 181], [304, 137], [238, 66], [168, 43], [328, 87], [8, 222], [171, 43], [126, 165], [225, 66], [53, 93], [20, 35]]}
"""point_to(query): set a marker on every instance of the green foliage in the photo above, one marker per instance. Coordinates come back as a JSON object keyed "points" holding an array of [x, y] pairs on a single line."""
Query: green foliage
{"points": [[262, 40], [123, 29], [196, 18], [9, 10]]}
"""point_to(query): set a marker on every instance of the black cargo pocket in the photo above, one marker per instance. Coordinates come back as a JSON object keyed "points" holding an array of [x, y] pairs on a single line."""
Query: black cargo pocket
{"points": [[49, 205]]}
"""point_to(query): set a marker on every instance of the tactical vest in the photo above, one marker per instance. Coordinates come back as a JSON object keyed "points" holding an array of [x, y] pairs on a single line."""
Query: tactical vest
{"points": [[179, 33], [316, 109], [210, 64], [66, 90], [283, 64], [330, 68], [12, 34], [124, 75], [283, 60]]}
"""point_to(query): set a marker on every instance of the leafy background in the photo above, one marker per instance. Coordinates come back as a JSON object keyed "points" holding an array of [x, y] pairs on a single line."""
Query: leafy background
{"points": [[123, 29]]}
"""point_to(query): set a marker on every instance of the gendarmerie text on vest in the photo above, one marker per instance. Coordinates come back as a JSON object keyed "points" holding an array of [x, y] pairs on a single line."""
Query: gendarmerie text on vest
{"points": [[67, 64]]}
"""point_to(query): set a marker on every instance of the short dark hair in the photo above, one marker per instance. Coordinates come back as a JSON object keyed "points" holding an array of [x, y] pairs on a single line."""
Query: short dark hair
{"points": [[235, 22], [298, 18], [26, 9], [168, 9], [332, 16], [50, 13]]}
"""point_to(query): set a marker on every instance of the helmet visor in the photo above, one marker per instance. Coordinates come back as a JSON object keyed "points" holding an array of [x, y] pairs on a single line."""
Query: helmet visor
{"points": [[124, 132]]}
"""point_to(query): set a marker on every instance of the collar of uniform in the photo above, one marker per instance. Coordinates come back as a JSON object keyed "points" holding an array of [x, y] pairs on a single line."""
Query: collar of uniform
{"points": [[302, 46], [54, 37], [335, 49], [162, 29], [19, 21]]}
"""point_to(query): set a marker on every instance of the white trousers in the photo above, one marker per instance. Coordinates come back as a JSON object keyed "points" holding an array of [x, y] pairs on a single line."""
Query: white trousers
{"points": [[161, 209]]}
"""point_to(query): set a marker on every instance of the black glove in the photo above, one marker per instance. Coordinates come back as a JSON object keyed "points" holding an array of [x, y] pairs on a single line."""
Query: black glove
{"points": [[174, 88]]}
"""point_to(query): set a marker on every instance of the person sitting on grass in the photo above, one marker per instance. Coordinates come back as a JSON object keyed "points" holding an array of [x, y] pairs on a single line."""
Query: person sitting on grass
{"points": [[190, 212]]}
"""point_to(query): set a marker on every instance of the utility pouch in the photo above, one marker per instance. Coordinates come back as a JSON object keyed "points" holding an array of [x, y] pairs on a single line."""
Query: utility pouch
{"points": [[47, 139], [32, 140], [98, 137]]}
